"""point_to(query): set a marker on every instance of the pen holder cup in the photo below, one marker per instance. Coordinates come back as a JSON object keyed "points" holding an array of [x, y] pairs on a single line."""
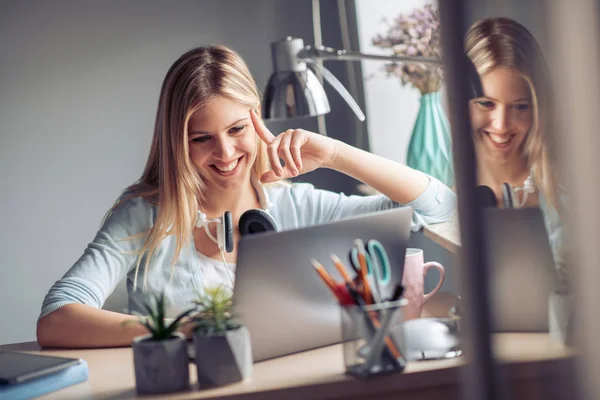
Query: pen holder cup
{"points": [[368, 345]]}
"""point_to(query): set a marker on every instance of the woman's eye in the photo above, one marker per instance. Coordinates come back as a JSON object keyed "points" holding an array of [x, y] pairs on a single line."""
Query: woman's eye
{"points": [[237, 129], [522, 107], [485, 103], [201, 139]]}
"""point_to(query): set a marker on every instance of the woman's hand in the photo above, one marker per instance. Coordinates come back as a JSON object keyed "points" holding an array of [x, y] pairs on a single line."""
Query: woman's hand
{"points": [[301, 151]]}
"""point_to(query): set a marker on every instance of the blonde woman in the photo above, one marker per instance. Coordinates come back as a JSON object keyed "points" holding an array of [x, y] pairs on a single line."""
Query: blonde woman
{"points": [[212, 153], [511, 141]]}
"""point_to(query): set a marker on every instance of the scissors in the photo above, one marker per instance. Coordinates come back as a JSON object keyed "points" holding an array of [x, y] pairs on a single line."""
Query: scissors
{"points": [[378, 266]]}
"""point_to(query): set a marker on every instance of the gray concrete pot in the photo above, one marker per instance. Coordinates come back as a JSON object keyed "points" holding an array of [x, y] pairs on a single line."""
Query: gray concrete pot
{"points": [[161, 366], [223, 358]]}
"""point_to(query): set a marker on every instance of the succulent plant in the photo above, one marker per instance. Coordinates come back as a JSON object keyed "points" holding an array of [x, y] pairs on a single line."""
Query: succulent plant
{"points": [[214, 313], [155, 321]]}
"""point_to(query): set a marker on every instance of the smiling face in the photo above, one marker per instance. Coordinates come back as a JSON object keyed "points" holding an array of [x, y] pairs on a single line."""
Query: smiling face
{"points": [[502, 118], [222, 143]]}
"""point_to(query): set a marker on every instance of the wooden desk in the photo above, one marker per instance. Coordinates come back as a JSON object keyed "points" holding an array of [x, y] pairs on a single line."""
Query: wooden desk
{"points": [[532, 361], [446, 234]]}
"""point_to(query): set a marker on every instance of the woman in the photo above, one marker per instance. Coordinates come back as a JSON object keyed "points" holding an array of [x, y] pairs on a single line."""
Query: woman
{"points": [[509, 122], [211, 153]]}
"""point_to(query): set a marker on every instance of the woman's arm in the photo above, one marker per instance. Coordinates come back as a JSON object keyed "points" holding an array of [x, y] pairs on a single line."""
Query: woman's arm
{"points": [[80, 325], [71, 314], [397, 181], [303, 151]]}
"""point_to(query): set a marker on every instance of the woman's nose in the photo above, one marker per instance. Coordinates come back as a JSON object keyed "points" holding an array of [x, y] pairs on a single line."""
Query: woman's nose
{"points": [[500, 122], [225, 148]]}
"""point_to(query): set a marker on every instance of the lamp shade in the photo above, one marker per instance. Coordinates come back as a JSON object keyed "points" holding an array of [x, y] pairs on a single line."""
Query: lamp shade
{"points": [[291, 94], [293, 90]]}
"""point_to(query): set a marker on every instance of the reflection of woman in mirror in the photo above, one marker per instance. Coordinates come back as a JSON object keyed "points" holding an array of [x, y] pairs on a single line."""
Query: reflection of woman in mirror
{"points": [[212, 153], [511, 143]]}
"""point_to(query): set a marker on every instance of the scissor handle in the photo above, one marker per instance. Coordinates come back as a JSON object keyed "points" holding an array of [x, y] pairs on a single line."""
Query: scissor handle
{"points": [[378, 262]]}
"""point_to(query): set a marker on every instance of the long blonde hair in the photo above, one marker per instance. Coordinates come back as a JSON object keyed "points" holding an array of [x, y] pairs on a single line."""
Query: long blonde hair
{"points": [[504, 43], [169, 180]]}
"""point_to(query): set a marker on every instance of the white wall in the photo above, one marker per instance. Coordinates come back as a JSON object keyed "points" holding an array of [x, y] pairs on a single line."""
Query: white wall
{"points": [[79, 84], [391, 107]]}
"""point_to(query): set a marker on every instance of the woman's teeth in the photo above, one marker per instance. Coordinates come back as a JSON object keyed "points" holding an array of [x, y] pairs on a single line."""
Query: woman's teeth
{"points": [[227, 168], [499, 139]]}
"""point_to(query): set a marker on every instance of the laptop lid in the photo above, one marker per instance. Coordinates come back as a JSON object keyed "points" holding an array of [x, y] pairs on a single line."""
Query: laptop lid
{"points": [[522, 270], [282, 300]]}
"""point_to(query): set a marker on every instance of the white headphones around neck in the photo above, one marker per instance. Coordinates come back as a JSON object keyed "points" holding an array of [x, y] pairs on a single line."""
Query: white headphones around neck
{"points": [[510, 200], [252, 221]]}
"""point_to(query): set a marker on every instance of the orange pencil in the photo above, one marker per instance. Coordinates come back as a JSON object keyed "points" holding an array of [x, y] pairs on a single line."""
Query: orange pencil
{"points": [[326, 278], [364, 271], [340, 267]]}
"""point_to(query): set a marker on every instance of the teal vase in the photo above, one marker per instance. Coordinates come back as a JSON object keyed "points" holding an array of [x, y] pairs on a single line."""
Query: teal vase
{"points": [[430, 147]]}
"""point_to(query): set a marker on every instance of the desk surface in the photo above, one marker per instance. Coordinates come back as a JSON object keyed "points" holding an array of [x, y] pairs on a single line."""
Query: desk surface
{"points": [[313, 374], [446, 234]]}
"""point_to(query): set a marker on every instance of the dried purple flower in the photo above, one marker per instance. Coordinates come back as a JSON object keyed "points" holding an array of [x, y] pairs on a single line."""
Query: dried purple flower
{"points": [[414, 34]]}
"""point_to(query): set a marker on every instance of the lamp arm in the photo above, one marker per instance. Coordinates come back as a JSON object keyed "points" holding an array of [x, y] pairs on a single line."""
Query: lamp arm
{"points": [[339, 87], [310, 54], [328, 53]]}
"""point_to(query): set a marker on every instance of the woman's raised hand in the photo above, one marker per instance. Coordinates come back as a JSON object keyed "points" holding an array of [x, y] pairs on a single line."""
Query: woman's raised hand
{"points": [[301, 151]]}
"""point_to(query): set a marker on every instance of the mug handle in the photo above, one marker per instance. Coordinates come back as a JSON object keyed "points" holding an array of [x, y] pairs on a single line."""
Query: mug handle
{"points": [[440, 268]]}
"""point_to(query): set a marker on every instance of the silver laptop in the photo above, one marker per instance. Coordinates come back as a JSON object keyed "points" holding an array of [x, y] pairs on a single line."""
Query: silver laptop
{"points": [[278, 294], [522, 271]]}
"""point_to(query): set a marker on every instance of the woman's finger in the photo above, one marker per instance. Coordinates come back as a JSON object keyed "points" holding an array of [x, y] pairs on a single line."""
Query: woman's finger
{"points": [[298, 141], [286, 154], [273, 152], [261, 129]]}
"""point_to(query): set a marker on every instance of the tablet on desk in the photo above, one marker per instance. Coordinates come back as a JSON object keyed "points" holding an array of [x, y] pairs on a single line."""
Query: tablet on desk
{"points": [[18, 367]]}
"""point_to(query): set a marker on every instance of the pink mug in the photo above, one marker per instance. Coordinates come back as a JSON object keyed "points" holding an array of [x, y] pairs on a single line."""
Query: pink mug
{"points": [[413, 280]]}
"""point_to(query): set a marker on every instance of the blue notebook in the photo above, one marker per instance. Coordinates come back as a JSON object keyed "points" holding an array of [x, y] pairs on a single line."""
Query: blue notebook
{"points": [[46, 384]]}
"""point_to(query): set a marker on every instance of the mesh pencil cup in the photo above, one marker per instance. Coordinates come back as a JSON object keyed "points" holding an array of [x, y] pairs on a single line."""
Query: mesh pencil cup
{"points": [[368, 347]]}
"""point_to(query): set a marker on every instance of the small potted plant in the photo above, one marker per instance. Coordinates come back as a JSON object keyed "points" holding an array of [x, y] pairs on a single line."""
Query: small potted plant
{"points": [[222, 345], [160, 357]]}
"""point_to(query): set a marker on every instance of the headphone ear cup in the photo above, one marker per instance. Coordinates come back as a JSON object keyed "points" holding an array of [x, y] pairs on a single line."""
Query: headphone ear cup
{"points": [[256, 221], [228, 230]]}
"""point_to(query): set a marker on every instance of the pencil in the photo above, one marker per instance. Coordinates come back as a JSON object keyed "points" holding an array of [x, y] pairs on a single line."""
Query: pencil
{"points": [[326, 278], [340, 267], [364, 271], [391, 346]]}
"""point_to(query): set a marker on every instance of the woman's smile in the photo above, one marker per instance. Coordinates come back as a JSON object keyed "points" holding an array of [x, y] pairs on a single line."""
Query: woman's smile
{"points": [[227, 168]]}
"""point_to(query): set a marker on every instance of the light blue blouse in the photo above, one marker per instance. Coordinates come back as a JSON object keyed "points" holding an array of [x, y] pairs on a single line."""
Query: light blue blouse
{"points": [[110, 258]]}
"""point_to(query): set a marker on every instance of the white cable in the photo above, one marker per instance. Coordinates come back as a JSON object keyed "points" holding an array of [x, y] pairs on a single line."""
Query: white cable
{"points": [[528, 187], [202, 221], [226, 267]]}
